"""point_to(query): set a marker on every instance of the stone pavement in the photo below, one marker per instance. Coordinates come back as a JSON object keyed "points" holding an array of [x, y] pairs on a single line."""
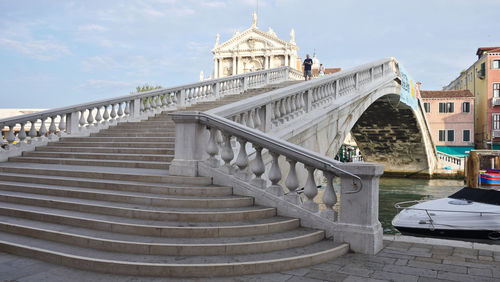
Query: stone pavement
{"points": [[402, 259]]}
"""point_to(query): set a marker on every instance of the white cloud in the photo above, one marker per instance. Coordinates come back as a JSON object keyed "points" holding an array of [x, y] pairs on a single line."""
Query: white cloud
{"points": [[92, 27], [43, 50]]}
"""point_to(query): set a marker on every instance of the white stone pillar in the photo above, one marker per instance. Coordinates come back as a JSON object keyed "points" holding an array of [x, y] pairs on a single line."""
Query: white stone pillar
{"points": [[216, 68], [234, 65], [221, 72], [271, 61], [286, 59]]}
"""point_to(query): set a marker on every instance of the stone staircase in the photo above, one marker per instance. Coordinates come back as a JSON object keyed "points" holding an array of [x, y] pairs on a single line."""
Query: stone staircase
{"points": [[106, 203]]}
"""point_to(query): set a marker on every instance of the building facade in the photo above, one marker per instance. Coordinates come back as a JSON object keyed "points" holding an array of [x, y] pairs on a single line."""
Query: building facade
{"points": [[254, 50], [482, 79], [450, 114]]}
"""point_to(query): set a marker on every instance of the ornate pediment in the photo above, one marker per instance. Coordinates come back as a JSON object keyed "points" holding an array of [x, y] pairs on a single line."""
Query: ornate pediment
{"points": [[253, 39]]}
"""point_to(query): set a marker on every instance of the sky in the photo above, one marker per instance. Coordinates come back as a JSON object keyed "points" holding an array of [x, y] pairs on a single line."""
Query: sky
{"points": [[59, 53]]}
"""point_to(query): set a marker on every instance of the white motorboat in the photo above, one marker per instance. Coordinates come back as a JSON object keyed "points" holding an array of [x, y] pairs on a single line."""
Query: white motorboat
{"points": [[469, 213]]}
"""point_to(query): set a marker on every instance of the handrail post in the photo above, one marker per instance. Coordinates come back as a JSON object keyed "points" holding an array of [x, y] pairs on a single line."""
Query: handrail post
{"points": [[182, 98], [359, 211], [135, 110], [190, 142], [245, 83], [72, 122]]}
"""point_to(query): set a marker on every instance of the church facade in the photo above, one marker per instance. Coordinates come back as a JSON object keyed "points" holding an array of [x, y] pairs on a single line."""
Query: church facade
{"points": [[254, 50]]}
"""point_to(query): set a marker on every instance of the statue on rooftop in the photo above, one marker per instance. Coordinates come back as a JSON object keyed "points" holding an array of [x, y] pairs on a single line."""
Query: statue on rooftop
{"points": [[254, 24], [217, 37], [292, 36]]}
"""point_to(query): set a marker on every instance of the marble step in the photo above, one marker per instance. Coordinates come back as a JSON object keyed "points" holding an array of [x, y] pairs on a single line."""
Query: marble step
{"points": [[117, 185], [118, 139], [93, 162], [171, 266], [142, 227], [145, 151], [124, 144], [133, 134], [101, 156], [138, 211], [109, 173], [126, 243], [139, 198]]}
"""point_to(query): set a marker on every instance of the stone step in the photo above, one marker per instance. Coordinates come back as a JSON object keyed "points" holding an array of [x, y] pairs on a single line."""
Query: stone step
{"points": [[146, 151], [138, 198], [171, 266], [109, 173], [163, 228], [116, 242], [118, 139], [117, 185], [137, 211], [121, 133], [101, 156], [93, 162], [114, 144]]}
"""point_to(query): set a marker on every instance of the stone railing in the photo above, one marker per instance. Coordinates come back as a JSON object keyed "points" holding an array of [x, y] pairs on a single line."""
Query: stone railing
{"points": [[21, 133], [275, 108], [449, 159], [204, 146]]}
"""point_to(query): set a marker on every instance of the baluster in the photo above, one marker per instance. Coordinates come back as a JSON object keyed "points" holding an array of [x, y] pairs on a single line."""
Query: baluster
{"points": [[165, 101], [11, 137], [288, 108], [62, 125], [227, 154], [52, 127], [174, 98], [43, 128], [275, 177], [310, 190], [147, 106], [242, 161], [81, 121], [105, 116], [237, 119], [251, 117], [292, 183], [120, 109], [257, 122], [258, 168], [329, 198], [90, 117], [282, 110], [152, 103], [127, 108], [22, 134], [212, 148], [276, 110], [244, 119], [32, 132], [293, 106], [142, 107], [98, 116], [113, 112]]}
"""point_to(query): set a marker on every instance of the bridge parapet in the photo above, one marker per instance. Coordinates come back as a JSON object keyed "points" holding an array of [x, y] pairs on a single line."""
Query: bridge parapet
{"points": [[200, 135], [23, 133]]}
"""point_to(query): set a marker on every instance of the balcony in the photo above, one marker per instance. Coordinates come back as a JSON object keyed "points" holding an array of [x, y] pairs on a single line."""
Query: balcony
{"points": [[495, 101]]}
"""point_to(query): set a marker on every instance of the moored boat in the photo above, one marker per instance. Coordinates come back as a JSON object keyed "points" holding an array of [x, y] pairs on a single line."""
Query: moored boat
{"points": [[472, 213], [490, 177]]}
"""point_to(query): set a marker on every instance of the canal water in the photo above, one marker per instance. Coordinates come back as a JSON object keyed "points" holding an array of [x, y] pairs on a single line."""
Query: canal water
{"points": [[394, 190]]}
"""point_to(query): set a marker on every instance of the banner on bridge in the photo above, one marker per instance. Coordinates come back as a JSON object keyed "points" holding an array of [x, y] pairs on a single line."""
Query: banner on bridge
{"points": [[408, 91]]}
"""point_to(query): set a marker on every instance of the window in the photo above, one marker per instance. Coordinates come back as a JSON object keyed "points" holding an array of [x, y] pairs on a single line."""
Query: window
{"points": [[451, 136], [466, 107], [495, 64], [496, 122], [446, 107], [496, 90], [466, 135], [427, 107], [442, 135]]}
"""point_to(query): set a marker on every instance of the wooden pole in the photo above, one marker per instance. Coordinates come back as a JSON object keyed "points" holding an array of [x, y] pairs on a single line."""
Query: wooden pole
{"points": [[473, 170]]}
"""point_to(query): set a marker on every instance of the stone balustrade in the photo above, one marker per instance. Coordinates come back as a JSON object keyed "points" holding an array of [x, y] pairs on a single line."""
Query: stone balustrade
{"points": [[204, 146], [275, 108], [24, 132]]}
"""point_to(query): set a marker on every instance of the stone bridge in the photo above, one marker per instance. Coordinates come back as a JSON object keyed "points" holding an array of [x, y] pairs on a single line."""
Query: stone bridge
{"points": [[100, 186]]}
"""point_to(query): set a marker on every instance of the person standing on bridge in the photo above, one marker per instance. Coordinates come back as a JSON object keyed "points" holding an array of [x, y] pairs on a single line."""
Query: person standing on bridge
{"points": [[308, 62]]}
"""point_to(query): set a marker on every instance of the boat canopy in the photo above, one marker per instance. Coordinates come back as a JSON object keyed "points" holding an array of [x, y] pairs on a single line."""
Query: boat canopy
{"points": [[485, 196]]}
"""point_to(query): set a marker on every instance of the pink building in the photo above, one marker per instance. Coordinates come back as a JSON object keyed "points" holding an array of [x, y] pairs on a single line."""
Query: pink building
{"points": [[450, 114]]}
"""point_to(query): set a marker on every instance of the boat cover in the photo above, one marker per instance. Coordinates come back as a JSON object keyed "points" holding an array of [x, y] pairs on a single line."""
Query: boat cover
{"points": [[485, 196]]}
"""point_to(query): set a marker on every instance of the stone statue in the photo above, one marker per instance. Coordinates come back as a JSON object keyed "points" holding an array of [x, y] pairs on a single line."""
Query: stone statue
{"points": [[254, 24], [202, 76], [292, 36], [271, 32], [217, 37]]}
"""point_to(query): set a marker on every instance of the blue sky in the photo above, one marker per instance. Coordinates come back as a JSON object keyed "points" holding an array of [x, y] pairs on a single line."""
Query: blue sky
{"points": [[58, 53]]}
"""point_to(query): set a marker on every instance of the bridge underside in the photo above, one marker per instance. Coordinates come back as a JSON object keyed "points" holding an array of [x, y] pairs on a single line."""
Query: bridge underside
{"points": [[387, 133]]}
